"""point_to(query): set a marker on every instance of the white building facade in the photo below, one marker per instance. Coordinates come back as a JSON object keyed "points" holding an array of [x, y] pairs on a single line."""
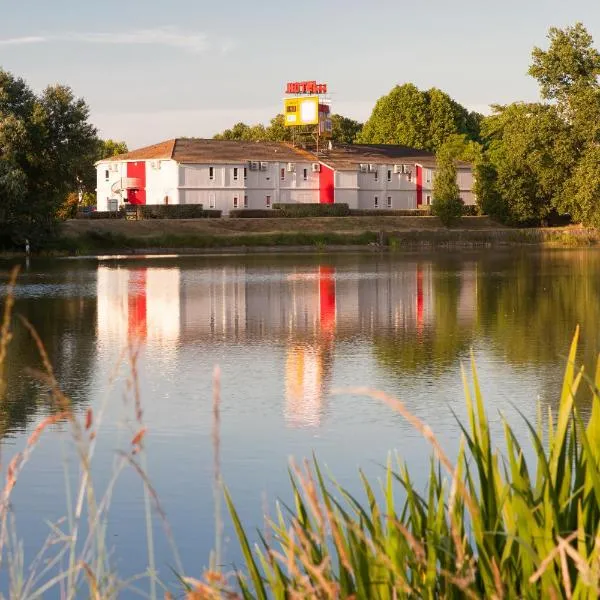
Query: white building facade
{"points": [[226, 175]]}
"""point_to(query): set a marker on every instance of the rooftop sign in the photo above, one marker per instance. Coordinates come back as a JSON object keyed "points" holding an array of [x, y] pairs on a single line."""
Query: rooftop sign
{"points": [[305, 87]]}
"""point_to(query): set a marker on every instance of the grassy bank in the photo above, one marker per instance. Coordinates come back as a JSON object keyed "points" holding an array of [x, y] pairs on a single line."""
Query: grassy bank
{"points": [[87, 237]]}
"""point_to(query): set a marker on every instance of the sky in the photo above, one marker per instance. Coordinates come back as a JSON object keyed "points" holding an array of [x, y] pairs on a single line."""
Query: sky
{"points": [[155, 70]]}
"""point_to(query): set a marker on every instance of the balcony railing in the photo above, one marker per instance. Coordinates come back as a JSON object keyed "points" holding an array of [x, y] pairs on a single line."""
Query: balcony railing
{"points": [[126, 183]]}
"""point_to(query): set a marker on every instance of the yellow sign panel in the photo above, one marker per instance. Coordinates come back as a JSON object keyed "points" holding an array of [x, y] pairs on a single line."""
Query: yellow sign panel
{"points": [[301, 111]]}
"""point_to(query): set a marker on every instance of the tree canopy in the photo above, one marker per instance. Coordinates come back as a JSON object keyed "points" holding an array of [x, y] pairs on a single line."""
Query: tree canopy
{"points": [[344, 131], [46, 145], [539, 157], [419, 119]]}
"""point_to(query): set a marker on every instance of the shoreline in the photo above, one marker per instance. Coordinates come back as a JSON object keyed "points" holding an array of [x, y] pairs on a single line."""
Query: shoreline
{"points": [[268, 236]]}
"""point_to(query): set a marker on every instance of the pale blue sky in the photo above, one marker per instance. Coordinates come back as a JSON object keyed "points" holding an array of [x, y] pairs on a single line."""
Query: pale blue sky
{"points": [[155, 69]]}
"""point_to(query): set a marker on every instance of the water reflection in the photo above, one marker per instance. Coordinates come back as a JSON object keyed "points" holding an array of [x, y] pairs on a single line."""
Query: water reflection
{"points": [[416, 315], [406, 310]]}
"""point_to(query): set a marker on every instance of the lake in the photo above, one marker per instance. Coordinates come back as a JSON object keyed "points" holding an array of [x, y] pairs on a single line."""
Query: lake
{"points": [[284, 330]]}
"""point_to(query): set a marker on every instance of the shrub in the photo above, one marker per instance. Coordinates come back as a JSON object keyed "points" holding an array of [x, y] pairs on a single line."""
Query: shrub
{"points": [[170, 211], [252, 213], [381, 212], [470, 210], [311, 210], [100, 214], [447, 204]]}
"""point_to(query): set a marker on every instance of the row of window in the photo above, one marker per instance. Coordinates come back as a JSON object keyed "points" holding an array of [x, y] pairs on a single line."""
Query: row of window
{"points": [[304, 174], [236, 170], [211, 174], [389, 202], [389, 176]]}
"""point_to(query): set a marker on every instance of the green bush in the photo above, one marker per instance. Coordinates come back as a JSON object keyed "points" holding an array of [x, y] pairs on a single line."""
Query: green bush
{"points": [[470, 210], [311, 210], [382, 212], [252, 213], [170, 211], [100, 214]]}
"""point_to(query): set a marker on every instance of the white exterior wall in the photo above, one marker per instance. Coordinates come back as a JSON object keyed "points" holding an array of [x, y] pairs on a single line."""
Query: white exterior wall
{"points": [[162, 181], [116, 170], [398, 187], [196, 186], [464, 179], [346, 188], [465, 184]]}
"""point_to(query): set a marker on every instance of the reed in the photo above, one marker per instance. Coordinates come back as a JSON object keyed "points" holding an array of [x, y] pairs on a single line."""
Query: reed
{"points": [[490, 524]]}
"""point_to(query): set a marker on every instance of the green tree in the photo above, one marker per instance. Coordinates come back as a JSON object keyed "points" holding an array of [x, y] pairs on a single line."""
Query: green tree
{"points": [[580, 196], [567, 73], [447, 204], [47, 146], [109, 148], [532, 151], [410, 117], [400, 117], [344, 130], [570, 64]]}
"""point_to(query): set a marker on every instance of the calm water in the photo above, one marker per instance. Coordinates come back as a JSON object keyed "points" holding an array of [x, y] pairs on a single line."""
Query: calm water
{"points": [[284, 331]]}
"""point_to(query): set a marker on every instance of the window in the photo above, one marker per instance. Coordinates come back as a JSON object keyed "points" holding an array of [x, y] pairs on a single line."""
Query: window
{"points": [[428, 175], [376, 204], [106, 175], [389, 174], [268, 201], [245, 201], [211, 201], [282, 175], [235, 173], [305, 174], [409, 176], [376, 175], [211, 173], [235, 202], [389, 204], [245, 172], [428, 200]]}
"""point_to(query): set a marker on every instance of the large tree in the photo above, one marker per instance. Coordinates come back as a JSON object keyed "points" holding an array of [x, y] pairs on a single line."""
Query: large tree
{"points": [[46, 146], [530, 154], [539, 154], [419, 119]]}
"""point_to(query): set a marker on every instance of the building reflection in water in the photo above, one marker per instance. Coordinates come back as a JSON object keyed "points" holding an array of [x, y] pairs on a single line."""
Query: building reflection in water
{"points": [[308, 309], [139, 305]]}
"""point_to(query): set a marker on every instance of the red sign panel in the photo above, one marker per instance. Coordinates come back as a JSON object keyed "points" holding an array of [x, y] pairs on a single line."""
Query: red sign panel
{"points": [[305, 87]]}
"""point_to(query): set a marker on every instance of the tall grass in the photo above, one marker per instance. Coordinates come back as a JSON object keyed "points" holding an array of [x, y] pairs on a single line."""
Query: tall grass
{"points": [[491, 524]]}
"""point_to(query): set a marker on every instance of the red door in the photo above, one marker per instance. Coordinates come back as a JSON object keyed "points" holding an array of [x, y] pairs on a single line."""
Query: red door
{"points": [[137, 171]]}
